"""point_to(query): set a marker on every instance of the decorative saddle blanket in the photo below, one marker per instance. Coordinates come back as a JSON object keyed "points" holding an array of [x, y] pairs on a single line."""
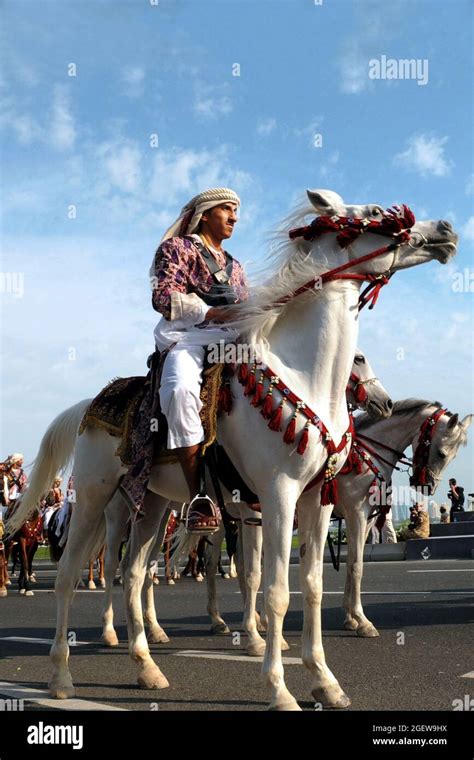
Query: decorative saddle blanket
{"points": [[119, 406]]}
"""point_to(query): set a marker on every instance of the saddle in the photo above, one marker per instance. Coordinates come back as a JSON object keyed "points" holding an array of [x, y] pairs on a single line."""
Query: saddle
{"points": [[117, 407]]}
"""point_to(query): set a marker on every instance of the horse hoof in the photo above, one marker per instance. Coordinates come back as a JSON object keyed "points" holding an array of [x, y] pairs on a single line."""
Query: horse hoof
{"points": [[233, 574], [284, 645], [170, 582], [156, 580], [102, 582], [3, 592], [351, 625], [220, 629], [367, 631], [152, 681], [29, 593], [8, 583], [91, 585], [61, 692], [289, 706], [256, 650], [110, 639], [199, 578], [158, 637], [331, 698]]}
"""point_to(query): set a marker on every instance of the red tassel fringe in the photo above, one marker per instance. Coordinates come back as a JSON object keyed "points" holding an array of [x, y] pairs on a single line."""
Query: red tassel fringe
{"points": [[267, 407], [303, 441], [329, 492], [289, 436], [257, 399], [275, 420], [251, 385], [243, 373]]}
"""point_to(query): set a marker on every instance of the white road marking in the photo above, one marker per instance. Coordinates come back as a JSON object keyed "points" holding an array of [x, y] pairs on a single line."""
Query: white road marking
{"points": [[452, 570], [468, 675], [28, 640], [40, 697], [208, 655], [388, 593]]}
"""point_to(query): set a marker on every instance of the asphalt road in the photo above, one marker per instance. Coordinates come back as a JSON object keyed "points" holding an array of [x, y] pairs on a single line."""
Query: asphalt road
{"points": [[422, 660]]}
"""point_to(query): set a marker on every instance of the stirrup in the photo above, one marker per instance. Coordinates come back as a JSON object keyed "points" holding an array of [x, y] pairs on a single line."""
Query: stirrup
{"points": [[193, 506]]}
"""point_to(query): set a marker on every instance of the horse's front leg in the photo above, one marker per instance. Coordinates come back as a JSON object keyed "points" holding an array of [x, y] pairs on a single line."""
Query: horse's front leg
{"points": [[156, 633], [252, 571], [313, 523], [357, 530], [117, 515], [133, 569], [278, 510]]}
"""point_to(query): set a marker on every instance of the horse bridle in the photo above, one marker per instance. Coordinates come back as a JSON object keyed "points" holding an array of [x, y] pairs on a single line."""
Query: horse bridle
{"points": [[396, 222], [357, 387]]}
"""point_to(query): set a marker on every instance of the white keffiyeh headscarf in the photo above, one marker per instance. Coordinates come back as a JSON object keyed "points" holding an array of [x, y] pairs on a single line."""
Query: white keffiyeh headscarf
{"points": [[191, 213]]}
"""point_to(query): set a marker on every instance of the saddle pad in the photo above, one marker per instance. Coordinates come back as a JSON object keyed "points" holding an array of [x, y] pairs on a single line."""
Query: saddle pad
{"points": [[116, 407]]}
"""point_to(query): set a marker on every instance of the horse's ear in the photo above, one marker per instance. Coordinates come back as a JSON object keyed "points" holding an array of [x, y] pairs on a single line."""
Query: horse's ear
{"points": [[467, 421], [325, 201], [453, 421]]}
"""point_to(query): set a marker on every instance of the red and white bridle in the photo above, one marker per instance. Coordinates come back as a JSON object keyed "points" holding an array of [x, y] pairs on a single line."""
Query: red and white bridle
{"points": [[395, 223]]}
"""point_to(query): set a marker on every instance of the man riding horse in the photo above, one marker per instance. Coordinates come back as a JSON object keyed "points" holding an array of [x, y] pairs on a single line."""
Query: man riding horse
{"points": [[192, 277]]}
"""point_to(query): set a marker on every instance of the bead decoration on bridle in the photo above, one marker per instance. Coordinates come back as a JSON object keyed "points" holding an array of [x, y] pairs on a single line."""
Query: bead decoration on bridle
{"points": [[421, 456]]}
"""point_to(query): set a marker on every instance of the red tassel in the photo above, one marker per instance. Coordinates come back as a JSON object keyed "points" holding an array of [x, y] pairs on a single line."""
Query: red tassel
{"points": [[267, 407], [225, 398], [289, 436], [360, 394], [243, 373], [303, 440], [275, 420], [329, 492], [251, 385], [257, 399]]}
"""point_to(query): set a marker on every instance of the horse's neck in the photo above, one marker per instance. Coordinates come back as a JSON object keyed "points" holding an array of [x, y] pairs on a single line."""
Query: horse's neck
{"points": [[312, 349]]}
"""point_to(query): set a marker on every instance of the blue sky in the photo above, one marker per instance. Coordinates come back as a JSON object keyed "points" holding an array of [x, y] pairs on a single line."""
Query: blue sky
{"points": [[167, 70]]}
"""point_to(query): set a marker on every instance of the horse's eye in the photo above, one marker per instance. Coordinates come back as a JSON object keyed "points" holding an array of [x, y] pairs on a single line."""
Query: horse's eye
{"points": [[359, 359], [377, 211], [442, 455]]}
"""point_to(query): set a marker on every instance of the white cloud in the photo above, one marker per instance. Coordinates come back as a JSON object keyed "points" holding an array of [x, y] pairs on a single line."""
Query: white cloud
{"points": [[133, 78], [211, 102], [353, 67], [182, 173], [121, 164], [468, 229], [266, 126], [61, 131], [425, 154]]}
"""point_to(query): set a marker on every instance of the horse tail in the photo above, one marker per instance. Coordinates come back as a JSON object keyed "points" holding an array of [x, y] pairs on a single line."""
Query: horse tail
{"points": [[55, 453], [55, 550]]}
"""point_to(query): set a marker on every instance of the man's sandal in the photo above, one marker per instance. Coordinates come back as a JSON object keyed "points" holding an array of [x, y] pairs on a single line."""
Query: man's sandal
{"points": [[202, 516]]}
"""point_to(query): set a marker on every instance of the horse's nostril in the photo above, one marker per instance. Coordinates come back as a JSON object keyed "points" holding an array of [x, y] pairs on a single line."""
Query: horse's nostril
{"points": [[445, 226], [389, 404]]}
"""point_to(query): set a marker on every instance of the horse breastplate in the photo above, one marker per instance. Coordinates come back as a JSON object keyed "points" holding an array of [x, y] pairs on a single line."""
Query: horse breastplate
{"points": [[221, 292]]}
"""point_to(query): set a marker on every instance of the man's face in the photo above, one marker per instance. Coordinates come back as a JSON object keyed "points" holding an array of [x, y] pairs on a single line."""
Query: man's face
{"points": [[220, 220]]}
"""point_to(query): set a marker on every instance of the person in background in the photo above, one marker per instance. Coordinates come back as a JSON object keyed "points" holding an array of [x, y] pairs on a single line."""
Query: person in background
{"points": [[456, 497], [419, 526], [16, 481]]}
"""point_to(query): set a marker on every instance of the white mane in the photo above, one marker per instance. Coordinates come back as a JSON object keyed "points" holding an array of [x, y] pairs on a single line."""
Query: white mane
{"points": [[291, 265]]}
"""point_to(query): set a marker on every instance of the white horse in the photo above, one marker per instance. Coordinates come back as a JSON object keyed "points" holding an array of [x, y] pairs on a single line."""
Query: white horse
{"points": [[356, 503], [309, 341], [364, 392]]}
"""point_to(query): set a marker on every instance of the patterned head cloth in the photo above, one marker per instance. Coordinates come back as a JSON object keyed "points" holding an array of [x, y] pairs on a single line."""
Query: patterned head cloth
{"points": [[16, 458], [191, 213]]}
